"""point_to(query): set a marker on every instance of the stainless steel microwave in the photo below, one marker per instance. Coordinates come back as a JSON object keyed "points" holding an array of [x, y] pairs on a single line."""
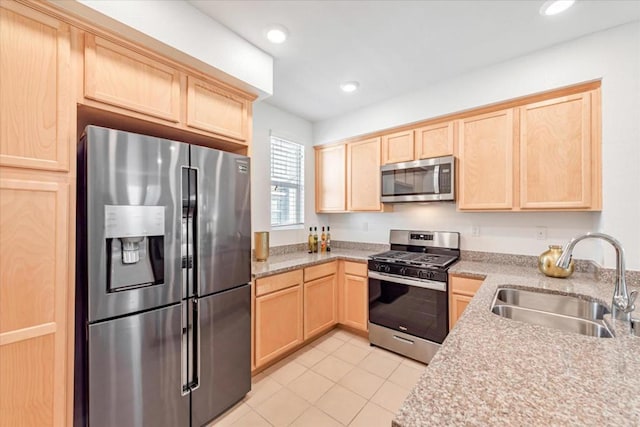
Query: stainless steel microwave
{"points": [[419, 181]]}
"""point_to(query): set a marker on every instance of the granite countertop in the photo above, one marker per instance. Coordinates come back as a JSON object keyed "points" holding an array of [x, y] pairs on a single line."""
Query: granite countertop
{"points": [[292, 261], [496, 371]]}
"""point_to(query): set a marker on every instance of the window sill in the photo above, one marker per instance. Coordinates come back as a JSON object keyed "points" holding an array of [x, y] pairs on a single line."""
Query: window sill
{"points": [[287, 227]]}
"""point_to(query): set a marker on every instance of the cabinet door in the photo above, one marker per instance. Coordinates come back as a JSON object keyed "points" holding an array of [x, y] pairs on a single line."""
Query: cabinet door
{"points": [[320, 305], [555, 153], [363, 175], [330, 179], [462, 290], [34, 227], [356, 302], [213, 109], [435, 140], [486, 161], [278, 326], [397, 147], [458, 304], [120, 77], [35, 83]]}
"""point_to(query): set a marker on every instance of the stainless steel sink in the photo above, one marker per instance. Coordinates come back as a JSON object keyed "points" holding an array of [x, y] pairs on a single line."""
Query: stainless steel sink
{"points": [[552, 303], [567, 313]]}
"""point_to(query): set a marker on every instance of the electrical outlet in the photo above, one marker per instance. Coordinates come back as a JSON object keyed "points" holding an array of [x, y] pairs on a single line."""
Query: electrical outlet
{"points": [[475, 230], [541, 233]]}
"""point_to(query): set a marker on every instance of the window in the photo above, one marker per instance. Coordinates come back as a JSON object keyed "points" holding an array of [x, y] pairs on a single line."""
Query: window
{"points": [[287, 182]]}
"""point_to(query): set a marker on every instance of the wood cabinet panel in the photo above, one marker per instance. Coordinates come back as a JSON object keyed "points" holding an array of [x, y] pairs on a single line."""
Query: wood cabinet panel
{"points": [[278, 326], [397, 147], [363, 175], [330, 178], [355, 268], [464, 285], [35, 84], [555, 153], [434, 140], [321, 270], [320, 305], [214, 109], [34, 218], [486, 170], [120, 77], [276, 282], [356, 302], [457, 305], [462, 291]]}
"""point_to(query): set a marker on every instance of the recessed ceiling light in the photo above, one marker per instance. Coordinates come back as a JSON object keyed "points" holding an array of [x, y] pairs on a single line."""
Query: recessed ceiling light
{"points": [[553, 7], [277, 34], [349, 86]]}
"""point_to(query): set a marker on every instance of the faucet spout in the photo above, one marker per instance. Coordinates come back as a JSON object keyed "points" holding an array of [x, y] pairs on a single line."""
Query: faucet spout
{"points": [[623, 301]]}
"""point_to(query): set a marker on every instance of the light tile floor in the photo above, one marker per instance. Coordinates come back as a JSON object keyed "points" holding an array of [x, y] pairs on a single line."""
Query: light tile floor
{"points": [[337, 380]]}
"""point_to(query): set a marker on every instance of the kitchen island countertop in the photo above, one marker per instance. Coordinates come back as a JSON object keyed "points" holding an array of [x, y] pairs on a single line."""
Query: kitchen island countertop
{"points": [[495, 371]]}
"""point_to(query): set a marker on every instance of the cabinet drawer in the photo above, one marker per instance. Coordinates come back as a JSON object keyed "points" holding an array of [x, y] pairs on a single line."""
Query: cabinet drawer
{"points": [[123, 78], [465, 285], [276, 282], [355, 268], [317, 271]]}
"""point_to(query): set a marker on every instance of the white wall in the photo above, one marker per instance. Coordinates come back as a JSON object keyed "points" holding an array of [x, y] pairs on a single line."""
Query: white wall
{"points": [[184, 28], [614, 57], [267, 119]]}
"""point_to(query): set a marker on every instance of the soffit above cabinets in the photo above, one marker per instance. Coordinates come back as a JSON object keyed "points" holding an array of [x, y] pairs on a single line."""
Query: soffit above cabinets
{"points": [[394, 47]]}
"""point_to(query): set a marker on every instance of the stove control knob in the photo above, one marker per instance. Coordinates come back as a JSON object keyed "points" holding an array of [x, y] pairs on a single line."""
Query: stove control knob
{"points": [[403, 271], [425, 274], [386, 268]]}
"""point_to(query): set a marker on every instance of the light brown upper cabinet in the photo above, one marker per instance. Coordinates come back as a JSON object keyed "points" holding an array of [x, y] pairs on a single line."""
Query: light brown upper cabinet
{"points": [[127, 80], [330, 178], [397, 147], [36, 88], [556, 153], [434, 140], [120, 77], [363, 175], [485, 150], [213, 109]]}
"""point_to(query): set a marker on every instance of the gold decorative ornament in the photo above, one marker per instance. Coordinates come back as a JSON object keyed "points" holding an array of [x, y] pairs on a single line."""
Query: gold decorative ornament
{"points": [[547, 263]]}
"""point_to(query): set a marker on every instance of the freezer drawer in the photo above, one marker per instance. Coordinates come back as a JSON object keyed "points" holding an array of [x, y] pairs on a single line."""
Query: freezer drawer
{"points": [[225, 353], [135, 371]]}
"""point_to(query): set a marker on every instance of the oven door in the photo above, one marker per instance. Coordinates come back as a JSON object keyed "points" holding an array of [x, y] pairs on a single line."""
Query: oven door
{"points": [[415, 307]]}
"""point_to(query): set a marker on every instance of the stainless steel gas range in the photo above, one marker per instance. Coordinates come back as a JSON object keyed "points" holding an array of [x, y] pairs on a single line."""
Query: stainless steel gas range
{"points": [[408, 292]]}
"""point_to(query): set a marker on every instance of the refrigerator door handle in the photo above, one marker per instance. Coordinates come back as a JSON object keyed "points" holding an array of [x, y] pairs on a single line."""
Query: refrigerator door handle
{"points": [[184, 357], [195, 347]]}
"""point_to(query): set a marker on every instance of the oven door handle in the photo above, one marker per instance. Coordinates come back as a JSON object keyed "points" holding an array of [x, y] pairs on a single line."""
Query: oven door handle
{"points": [[420, 283]]}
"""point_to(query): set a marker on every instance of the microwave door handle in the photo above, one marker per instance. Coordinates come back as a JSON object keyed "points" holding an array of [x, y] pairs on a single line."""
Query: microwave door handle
{"points": [[436, 179]]}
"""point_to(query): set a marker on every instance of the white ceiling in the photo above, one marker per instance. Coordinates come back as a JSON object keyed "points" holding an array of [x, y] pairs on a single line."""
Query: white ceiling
{"points": [[393, 47]]}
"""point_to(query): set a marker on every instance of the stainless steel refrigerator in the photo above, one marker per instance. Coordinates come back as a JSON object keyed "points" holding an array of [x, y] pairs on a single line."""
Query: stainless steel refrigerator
{"points": [[163, 302]]}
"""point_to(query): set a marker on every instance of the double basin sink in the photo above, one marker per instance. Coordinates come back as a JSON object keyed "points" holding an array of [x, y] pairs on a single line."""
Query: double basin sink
{"points": [[563, 312]]}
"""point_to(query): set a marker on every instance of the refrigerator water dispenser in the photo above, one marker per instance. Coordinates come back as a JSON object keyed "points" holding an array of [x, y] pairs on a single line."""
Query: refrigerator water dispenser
{"points": [[135, 246]]}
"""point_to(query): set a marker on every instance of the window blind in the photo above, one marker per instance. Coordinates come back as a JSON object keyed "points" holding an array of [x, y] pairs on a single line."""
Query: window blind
{"points": [[287, 182]]}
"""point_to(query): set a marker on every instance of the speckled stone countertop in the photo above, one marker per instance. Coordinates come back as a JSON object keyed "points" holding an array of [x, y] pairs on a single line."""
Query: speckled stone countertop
{"points": [[496, 371], [292, 261]]}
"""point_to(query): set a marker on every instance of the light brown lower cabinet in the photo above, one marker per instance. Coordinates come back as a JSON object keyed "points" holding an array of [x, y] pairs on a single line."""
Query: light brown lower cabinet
{"points": [[354, 296], [462, 291], [293, 307], [320, 305], [278, 316]]}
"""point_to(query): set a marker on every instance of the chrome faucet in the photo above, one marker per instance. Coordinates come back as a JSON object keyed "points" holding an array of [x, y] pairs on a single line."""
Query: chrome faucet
{"points": [[622, 304]]}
